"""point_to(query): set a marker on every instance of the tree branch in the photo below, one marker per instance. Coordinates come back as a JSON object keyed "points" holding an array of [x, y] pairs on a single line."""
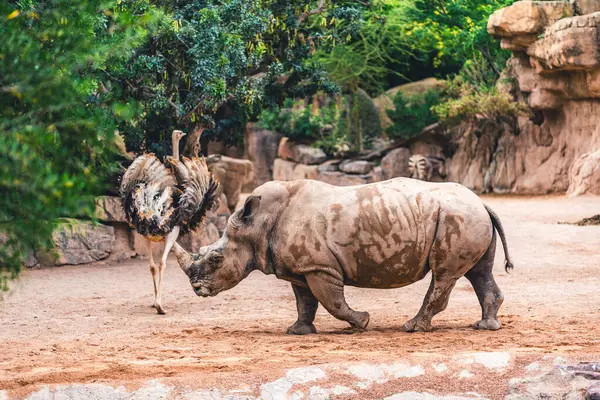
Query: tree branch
{"points": [[316, 11]]}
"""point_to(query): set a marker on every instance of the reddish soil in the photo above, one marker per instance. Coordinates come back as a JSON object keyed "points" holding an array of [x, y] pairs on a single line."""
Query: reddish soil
{"points": [[93, 323]]}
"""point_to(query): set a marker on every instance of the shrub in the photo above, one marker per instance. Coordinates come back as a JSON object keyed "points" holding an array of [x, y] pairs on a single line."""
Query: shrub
{"points": [[412, 114]]}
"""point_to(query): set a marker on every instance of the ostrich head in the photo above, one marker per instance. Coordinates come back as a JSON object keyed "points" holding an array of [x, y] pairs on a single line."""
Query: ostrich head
{"points": [[177, 135]]}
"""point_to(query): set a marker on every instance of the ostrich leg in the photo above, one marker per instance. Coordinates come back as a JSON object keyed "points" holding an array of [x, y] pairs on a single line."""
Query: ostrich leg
{"points": [[170, 241], [153, 269]]}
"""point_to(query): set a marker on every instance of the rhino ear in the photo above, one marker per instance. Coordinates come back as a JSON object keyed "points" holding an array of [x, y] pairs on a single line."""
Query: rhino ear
{"points": [[250, 208]]}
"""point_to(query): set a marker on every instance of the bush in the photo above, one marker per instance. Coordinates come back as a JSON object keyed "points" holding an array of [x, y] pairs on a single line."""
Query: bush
{"points": [[472, 95], [362, 120], [473, 105], [57, 124], [299, 123], [412, 114]]}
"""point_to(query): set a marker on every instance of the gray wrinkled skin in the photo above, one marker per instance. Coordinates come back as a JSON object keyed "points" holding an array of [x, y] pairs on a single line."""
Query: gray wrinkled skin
{"points": [[382, 235]]}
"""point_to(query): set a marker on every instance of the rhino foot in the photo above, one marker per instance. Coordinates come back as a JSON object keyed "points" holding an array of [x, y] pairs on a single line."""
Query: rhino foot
{"points": [[415, 325], [488, 324], [361, 321], [300, 328]]}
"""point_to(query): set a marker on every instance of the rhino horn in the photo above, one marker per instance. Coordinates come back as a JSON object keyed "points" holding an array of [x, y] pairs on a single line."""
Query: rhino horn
{"points": [[183, 257]]}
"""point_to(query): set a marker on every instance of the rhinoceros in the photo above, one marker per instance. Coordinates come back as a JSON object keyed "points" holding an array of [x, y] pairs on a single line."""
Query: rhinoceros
{"points": [[382, 235]]}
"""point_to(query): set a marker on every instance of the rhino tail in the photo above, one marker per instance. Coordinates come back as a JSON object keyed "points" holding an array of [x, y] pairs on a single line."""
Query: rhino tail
{"points": [[498, 225]]}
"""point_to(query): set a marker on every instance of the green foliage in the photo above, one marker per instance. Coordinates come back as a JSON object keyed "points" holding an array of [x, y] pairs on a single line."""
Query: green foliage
{"points": [[364, 62], [349, 123], [408, 40], [466, 103], [362, 116], [472, 94], [298, 122], [57, 128], [412, 114], [218, 64]]}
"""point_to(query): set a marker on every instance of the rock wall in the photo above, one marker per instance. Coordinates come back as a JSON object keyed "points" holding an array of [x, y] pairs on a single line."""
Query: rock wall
{"points": [[260, 147], [555, 68]]}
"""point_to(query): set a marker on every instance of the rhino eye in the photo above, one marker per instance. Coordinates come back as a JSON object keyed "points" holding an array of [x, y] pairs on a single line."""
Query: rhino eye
{"points": [[216, 259]]}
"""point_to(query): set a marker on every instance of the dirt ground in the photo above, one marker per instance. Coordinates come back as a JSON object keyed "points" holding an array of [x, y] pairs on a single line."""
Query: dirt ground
{"points": [[93, 323]]}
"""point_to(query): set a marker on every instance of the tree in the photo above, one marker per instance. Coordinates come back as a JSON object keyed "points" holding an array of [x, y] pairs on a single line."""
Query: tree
{"points": [[215, 64], [56, 125]]}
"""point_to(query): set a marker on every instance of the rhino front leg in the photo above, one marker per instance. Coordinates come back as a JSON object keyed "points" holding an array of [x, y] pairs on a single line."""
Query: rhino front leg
{"points": [[330, 293], [307, 305], [436, 301]]}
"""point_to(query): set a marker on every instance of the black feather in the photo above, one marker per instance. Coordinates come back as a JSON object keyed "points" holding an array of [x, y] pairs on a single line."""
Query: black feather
{"points": [[208, 202]]}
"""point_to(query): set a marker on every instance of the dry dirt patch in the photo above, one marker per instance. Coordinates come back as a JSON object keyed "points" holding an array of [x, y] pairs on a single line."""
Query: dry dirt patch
{"points": [[94, 324]]}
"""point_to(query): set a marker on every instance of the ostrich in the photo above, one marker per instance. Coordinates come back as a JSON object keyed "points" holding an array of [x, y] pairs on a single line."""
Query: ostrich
{"points": [[161, 201]]}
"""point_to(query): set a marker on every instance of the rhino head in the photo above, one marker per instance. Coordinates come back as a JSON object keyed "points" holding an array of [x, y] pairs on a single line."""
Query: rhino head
{"points": [[223, 264]]}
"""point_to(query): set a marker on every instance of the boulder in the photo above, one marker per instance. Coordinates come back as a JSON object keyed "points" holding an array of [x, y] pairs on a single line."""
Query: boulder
{"points": [[290, 171], [261, 148], [376, 175], [395, 163], [583, 7], [283, 170], [109, 209], [29, 258], [300, 153], [341, 179], [527, 17], [221, 148], [329, 166], [569, 44], [561, 382], [358, 167], [306, 171], [232, 174], [205, 235], [78, 242], [427, 148], [123, 245], [542, 99], [584, 175]]}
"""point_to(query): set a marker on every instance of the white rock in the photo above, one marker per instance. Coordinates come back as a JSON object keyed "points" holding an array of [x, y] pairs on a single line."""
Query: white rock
{"points": [[278, 389], [368, 373], [533, 367], [429, 396], [400, 370], [464, 374], [440, 368], [491, 360], [319, 393]]}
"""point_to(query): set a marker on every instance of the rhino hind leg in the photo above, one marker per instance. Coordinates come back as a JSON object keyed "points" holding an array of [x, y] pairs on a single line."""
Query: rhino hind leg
{"points": [[307, 305], [329, 291], [488, 293], [436, 301]]}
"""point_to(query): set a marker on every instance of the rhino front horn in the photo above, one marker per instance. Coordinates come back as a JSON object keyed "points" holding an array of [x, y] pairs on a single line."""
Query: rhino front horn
{"points": [[183, 257]]}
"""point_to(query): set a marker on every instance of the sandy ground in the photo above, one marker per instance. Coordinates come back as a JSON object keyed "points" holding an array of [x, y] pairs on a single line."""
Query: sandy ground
{"points": [[93, 323]]}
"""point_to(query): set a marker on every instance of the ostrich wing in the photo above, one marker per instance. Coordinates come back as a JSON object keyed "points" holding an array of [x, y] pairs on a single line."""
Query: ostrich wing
{"points": [[148, 190], [199, 191]]}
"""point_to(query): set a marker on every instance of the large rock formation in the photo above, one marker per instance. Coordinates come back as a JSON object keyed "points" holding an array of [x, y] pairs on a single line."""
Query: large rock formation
{"points": [[261, 148], [232, 174], [555, 69], [300, 152], [78, 242]]}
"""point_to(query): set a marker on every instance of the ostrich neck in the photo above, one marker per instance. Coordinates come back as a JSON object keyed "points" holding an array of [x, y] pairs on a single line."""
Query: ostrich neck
{"points": [[175, 142]]}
